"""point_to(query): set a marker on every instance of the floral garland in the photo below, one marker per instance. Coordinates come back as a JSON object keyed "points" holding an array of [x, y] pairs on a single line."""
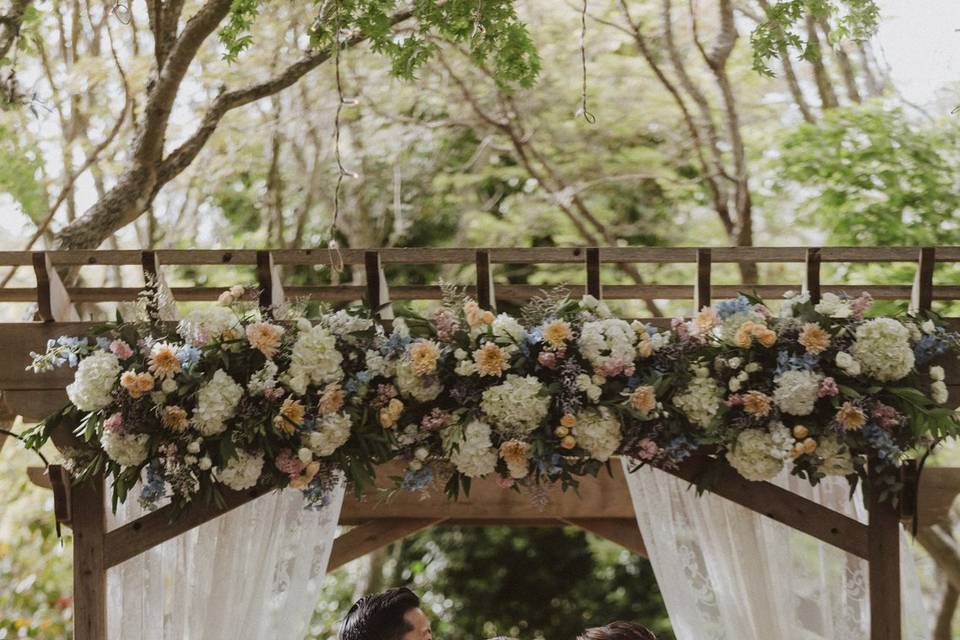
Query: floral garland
{"points": [[230, 398]]}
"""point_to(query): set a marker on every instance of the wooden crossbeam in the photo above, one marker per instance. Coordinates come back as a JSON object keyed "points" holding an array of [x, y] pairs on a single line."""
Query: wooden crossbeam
{"points": [[622, 531]]}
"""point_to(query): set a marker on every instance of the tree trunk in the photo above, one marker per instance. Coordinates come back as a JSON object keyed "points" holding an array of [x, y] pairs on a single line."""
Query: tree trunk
{"points": [[828, 97]]}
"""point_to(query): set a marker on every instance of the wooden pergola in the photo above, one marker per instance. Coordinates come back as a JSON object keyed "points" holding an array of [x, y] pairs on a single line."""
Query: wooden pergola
{"points": [[603, 505]]}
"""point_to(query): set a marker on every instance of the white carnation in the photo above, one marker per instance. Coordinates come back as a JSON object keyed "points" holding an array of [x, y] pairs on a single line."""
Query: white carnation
{"points": [[796, 391], [507, 326], [938, 392], [203, 324], [331, 432], [342, 323], [94, 380], [377, 365], [700, 401], [126, 449], [759, 455], [216, 403], [241, 472], [883, 349], [835, 457], [833, 306], [412, 385], [792, 300], [473, 455], [846, 362], [596, 307], [937, 373], [264, 379], [315, 359], [585, 383], [517, 404], [598, 432], [603, 341]]}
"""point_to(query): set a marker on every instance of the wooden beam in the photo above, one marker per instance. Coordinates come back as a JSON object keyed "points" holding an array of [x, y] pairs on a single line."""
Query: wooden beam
{"points": [[486, 295], [884, 560], [378, 295], [811, 274], [62, 484], [701, 290], [623, 532], [156, 527], [783, 506], [89, 565], [53, 301], [39, 477], [370, 536], [272, 297], [921, 296]]}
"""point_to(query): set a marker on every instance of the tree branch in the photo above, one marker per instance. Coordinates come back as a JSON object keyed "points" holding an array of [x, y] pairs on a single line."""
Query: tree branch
{"points": [[10, 25]]}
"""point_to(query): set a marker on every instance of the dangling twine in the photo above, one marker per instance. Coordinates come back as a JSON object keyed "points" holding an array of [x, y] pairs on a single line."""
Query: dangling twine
{"points": [[336, 258], [583, 110]]}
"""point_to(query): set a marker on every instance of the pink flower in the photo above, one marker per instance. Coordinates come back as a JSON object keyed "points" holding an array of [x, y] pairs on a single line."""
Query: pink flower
{"points": [[113, 423], [435, 420], [385, 393], [828, 388], [289, 463], [859, 305], [547, 359], [121, 349], [504, 483], [887, 416], [762, 310], [647, 449], [446, 324], [734, 401], [274, 394]]}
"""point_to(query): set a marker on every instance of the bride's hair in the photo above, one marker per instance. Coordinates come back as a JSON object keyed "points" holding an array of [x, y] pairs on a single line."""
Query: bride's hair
{"points": [[618, 631]]}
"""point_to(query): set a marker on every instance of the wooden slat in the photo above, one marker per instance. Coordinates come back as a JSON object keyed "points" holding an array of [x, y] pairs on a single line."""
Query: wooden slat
{"points": [[53, 301], [378, 295], [884, 560], [89, 564], [592, 263], [370, 536], [921, 295], [148, 531], [811, 280], [701, 291], [272, 296], [783, 506], [621, 531], [486, 294]]}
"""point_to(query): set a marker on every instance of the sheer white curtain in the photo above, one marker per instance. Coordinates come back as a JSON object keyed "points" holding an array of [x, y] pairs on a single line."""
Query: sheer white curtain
{"points": [[728, 573], [252, 573]]}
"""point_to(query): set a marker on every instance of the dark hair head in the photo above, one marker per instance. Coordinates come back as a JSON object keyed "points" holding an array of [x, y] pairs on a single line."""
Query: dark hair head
{"points": [[379, 616], [618, 631]]}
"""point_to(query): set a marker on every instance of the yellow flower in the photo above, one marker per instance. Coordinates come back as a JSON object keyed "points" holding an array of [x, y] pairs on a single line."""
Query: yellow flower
{"points": [[145, 382], [128, 380], [568, 442], [568, 420], [264, 337], [514, 452], [390, 414], [744, 336], [814, 338], [491, 360], [331, 400], [643, 399], [163, 361], [707, 319], [290, 417], [305, 478], [756, 404], [800, 431], [851, 417], [644, 345], [473, 313], [175, 418], [423, 356], [557, 333], [487, 317], [809, 445]]}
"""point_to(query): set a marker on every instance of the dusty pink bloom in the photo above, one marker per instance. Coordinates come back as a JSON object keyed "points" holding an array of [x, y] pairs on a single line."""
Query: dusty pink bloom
{"points": [[121, 349], [504, 483], [860, 304], [288, 463], [734, 401], [274, 394], [763, 310], [113, 423], [435, 420], [385, 393], [681, 327], [547, 359], [828, 388], [887, 417], [647, 449], [446, 324]]}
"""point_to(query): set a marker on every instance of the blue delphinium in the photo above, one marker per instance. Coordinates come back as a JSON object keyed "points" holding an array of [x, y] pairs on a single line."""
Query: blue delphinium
{"points": [[417, 480], [882, 442], [188, 356], [154, 486], [787, 362], [727, 308], [933, 345]]}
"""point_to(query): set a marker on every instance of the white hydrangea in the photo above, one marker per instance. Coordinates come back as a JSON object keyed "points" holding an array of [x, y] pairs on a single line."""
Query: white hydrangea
{"points": [[700, 401], [585, 383], [378, 365], [216, 403], [506, 326], [796, 391], [603, 341], [203, 324], [595, 307], [517, 404], [342, 323], [835, 457], [598, 432], [94, 380], [474, 456], [241, 472], [413, 386], [883, 349], [758, 455], [315, 359], [400, 329], [126, 449], [791, 300], [833, 306], [331, 432], [264, 379]]}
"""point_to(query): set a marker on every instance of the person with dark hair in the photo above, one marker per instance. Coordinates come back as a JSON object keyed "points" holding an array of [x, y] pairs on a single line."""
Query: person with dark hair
{"points": [[392, 615], [618, 631]]}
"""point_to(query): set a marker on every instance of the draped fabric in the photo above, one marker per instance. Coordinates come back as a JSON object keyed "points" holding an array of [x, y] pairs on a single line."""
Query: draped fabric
{"points": [[729, 573], [250, 574]]}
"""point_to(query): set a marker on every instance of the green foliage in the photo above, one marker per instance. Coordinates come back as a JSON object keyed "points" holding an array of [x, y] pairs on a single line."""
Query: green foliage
{"points": [[20, 166], [850, 20]]}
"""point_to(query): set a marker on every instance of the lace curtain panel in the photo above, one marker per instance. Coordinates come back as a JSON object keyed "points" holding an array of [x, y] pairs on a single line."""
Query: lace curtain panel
{"points": [[728, 573], [253, 573]]}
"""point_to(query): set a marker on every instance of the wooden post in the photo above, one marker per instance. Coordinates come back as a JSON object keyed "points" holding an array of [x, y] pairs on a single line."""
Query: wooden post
{"points": [[811, 276], [88, 515], [701, 290], [486, 296], [271, 286], [592, 261], [883, 541], [53, 301], [921, 297]]}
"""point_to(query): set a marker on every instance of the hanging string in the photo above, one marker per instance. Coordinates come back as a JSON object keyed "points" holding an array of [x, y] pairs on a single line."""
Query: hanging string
{"points": [[583, 110], [336, 258]]}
